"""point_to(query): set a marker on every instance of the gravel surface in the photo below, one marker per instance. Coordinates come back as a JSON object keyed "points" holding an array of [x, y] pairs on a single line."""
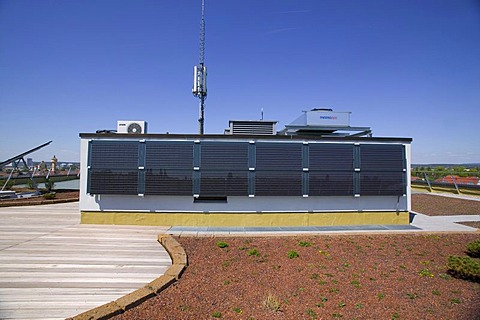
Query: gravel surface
{"points": [[60, 196], [399, 276], [347, 277], [433, 205]]}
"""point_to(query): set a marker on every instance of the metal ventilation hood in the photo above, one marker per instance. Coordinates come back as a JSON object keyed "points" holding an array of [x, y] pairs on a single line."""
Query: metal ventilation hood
{"points": [[325, 122]]}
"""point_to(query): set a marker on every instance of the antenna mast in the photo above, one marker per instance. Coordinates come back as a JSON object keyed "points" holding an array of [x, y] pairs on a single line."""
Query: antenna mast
{"points": [[200, 75]]}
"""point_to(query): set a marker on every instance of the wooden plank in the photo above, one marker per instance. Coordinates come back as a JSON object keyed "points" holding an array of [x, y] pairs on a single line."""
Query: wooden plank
{"points": [[51, 267]]}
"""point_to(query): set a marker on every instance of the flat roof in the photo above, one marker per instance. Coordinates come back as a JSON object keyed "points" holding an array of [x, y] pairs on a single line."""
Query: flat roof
{"points": [[177, 136]]}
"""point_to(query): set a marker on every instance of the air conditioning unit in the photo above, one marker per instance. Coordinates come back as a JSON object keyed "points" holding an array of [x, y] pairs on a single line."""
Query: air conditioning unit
{"points": [[132, 127]]}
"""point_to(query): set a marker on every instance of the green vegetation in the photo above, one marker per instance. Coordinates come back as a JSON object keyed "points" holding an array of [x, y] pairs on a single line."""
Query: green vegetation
{"points": [[412, 296], [253, 252], [464, 268], [425, 273], [445, 276], [222, 244], [49, 184], [473, 249], [292, 254], [441, 172], [9, 184], [304, 244], [216, 314], [312, 313], [237, 310], [49, 196], [321, 304]]}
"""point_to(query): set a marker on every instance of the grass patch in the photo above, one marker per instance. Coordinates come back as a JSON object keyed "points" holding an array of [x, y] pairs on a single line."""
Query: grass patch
{"points": [[272, 303], [304, 244], [222, 244], [292, 254]]}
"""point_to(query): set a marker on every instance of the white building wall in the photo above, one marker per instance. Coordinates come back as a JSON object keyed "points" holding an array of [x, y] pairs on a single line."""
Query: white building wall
{"points": [[150, 203]]}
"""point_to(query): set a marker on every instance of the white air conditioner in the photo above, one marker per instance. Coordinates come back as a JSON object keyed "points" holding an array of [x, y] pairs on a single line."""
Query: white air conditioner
{"points": [[133, 127]]}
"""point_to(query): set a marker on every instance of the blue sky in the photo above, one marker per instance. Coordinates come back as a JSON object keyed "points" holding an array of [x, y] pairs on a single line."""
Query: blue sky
{"points": [[406, 68]]}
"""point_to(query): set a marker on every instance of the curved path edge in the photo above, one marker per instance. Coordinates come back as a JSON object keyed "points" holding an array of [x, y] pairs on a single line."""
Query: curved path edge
{"points": [[133, 299]]}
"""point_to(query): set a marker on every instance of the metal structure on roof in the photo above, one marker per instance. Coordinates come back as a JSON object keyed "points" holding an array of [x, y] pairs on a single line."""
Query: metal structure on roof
{"points": [[199, 89], [20, 158], [325, 123], [251, 127]]}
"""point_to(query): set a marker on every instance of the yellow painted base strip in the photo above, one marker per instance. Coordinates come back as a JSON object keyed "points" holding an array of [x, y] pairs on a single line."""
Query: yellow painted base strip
{"points": [[266, 219]]}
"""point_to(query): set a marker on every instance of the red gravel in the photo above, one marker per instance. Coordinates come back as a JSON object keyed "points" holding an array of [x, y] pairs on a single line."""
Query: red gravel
{"points": [[348, 277], [400, 276], [434, 205], [60, 196]]}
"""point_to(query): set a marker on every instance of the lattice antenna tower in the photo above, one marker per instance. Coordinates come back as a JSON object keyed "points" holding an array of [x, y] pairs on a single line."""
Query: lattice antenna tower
{"points": [[199, 89]]}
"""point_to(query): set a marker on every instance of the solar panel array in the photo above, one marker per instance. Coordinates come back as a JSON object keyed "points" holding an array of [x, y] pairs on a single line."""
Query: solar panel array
{"points": [[243, 168]]}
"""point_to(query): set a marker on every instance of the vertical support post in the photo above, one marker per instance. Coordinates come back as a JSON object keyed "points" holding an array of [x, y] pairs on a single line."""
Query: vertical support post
{"points": [[201, 118], [428, 182], [455, 184], [356, 169], [251, 168], [31, 177], [142, 151], [8, 179], [305, 166], [196, 168]]}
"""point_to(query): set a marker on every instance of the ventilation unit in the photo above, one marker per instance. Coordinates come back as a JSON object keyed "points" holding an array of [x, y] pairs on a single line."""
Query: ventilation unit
{"points": [[132, 127], [251, 127]]}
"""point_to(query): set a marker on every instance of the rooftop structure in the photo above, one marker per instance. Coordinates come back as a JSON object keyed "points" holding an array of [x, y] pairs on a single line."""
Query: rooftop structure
{"points": [[251, 127], [249, 177], [324, 122]]}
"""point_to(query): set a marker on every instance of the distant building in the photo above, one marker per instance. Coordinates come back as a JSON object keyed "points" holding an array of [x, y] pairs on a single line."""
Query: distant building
{"points": [[475, 181]]}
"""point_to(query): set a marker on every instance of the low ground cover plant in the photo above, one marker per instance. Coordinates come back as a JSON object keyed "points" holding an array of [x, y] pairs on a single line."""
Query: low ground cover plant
{"points": [[466, 267], [473, 249], [222, 244]]}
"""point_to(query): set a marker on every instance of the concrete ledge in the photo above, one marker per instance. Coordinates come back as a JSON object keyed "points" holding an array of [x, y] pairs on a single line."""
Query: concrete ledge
{"points": [[175, 250], [160, 284], [135, 298], [103, 312], [175, 271]]}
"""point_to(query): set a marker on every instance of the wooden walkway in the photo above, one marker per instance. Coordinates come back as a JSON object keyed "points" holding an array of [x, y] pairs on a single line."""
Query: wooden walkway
{"points": [[51, 267]]}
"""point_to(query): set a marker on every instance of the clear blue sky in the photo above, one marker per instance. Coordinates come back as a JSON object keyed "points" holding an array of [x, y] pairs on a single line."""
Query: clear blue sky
{"points": [[406, 68]]}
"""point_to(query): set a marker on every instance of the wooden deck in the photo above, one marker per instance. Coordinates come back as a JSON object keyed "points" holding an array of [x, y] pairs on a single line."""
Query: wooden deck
{"points": [[51, 267]]}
